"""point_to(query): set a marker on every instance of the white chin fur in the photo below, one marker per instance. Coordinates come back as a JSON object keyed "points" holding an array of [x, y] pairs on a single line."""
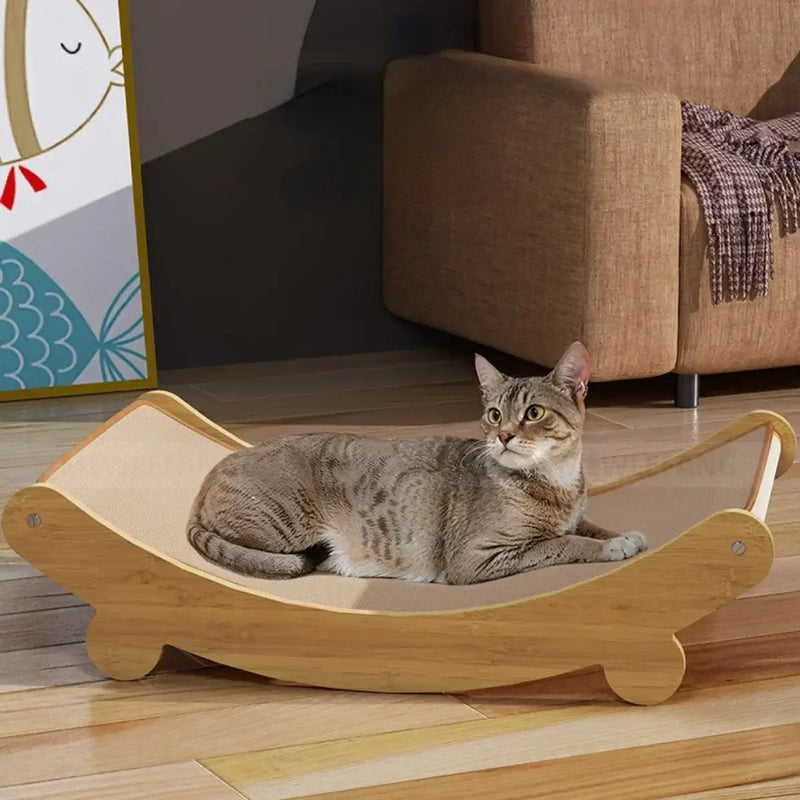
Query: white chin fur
{"points": [[564, 475], [512, 460]]}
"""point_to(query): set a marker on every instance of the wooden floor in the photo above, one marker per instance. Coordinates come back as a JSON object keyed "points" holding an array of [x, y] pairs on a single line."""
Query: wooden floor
{"points": [[199, 732]]}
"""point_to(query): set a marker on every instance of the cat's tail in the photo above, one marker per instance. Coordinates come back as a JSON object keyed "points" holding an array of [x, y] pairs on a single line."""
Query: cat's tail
{"points": [[248, 560]]}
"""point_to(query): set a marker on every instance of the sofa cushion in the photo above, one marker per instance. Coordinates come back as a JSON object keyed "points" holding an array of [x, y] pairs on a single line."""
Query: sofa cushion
{"points": [[751, 334], [742, 55]]}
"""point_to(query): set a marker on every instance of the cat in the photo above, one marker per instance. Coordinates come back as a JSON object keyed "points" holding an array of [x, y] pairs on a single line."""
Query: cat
{"points": [[438, 510]]}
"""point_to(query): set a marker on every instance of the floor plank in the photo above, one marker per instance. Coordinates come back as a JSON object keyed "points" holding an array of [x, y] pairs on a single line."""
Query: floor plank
{"points": [[44, 628], [490, 745], [715, 409], [747, 618], [354, 378], [29, 445], [187, 781], [48, 677], [69, 665], [62, 723], [21, 662], [708, 666], [14, 591], [94, 408], [279, 716], [786, 789], [639, 773], [334, 404], [33, 594], [109, 702], [13, 568], [228, 373]]}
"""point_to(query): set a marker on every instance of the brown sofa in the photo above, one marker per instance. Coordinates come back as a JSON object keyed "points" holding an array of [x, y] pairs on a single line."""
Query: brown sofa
{"points": [[533, 191]]}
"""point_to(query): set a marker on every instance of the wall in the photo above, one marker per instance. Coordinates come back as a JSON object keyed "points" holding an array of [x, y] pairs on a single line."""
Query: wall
{"points": [[260, 129]]}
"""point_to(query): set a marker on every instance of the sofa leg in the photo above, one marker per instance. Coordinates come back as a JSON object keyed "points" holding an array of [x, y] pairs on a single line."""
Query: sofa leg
{"points": [[687, 391]]}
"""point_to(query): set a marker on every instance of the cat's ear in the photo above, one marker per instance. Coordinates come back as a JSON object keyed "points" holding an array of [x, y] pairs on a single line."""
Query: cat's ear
{"points": [[490, 378], [572, 370]]}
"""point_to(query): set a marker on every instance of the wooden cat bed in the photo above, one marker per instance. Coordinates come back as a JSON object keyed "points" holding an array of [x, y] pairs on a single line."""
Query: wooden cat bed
{"points": [[107, 522]]}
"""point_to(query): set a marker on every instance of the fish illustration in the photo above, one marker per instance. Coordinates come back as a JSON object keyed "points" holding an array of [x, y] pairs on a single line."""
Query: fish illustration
{"points": [[56, 69], [46, 341]]}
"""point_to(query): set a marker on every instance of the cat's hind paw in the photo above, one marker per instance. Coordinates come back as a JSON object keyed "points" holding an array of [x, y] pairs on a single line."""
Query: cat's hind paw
{"points": [[625, 546]]}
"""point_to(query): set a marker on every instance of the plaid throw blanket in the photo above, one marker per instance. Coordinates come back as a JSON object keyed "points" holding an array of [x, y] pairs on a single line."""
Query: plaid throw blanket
{"points": [[741, 169]]}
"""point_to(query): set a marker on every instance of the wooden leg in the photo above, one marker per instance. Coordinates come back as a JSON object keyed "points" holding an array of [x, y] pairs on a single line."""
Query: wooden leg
{"points": [[651, 672], [113, 656]]}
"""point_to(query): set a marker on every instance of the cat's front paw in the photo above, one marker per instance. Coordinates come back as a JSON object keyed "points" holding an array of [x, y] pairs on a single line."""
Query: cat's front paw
{"points": [[639, 538], [625, 546]]}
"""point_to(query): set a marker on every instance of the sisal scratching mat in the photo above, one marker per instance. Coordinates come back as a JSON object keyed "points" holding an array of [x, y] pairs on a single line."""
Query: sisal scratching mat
{"points": [[107, 522]]}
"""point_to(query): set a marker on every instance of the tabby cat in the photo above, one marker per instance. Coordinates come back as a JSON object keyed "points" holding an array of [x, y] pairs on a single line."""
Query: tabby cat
{"points": [[439, 509]]}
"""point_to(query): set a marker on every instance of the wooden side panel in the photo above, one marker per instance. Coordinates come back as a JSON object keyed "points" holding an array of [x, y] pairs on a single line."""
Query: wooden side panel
{"points": [[624, 621]]}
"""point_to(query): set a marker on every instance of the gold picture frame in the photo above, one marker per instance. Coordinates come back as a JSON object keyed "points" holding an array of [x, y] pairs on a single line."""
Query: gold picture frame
{"points": [[123, 364]]}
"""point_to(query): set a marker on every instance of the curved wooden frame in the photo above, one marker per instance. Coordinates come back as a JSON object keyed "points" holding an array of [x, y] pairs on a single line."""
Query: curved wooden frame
{"points": [[625, 620]]}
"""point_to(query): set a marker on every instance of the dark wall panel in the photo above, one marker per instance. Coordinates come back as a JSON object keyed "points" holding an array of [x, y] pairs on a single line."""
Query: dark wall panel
{"points": [[202, 65], [347, 36], [265, 236]]}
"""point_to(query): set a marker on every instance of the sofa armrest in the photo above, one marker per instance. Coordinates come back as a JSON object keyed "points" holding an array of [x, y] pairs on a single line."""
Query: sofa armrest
{"points": [[525, 208]]}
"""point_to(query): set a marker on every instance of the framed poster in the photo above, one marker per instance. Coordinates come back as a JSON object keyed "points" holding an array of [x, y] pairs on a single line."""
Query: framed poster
{"points": [[75, 314]]}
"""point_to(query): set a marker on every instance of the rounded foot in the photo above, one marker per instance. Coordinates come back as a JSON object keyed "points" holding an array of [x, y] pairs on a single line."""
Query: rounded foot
{"points": [[652, 673], [118, 654]]}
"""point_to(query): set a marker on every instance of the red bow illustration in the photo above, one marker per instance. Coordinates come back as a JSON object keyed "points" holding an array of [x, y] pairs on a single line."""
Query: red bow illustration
{"points": [[9, 194]]}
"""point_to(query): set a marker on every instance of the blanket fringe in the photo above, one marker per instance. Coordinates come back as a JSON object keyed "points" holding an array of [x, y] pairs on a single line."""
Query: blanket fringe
{"points": [[742, 169]]}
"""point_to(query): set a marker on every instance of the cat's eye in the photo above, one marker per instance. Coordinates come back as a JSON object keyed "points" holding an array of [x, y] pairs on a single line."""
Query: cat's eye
{"points": [[534, 413], [494, 416], [71, 51]]}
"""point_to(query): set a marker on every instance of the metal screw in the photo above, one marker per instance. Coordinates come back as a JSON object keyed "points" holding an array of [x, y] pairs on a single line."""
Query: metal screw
{"points": [[738, 547], [34, 520]]}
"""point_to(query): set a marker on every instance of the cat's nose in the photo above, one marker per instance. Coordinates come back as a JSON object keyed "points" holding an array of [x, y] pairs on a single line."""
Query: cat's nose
{"points": [[505, 438]]}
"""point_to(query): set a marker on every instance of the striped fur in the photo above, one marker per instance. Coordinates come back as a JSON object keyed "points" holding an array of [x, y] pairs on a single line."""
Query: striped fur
{"points": [[438, 509]]}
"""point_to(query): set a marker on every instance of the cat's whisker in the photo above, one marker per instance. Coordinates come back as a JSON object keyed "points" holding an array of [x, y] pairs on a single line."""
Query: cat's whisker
{"points": [[477, 446]]}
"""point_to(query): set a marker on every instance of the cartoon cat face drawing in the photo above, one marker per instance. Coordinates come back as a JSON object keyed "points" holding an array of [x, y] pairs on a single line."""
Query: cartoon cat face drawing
{"points": [[57, 70], [70, 68]]}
